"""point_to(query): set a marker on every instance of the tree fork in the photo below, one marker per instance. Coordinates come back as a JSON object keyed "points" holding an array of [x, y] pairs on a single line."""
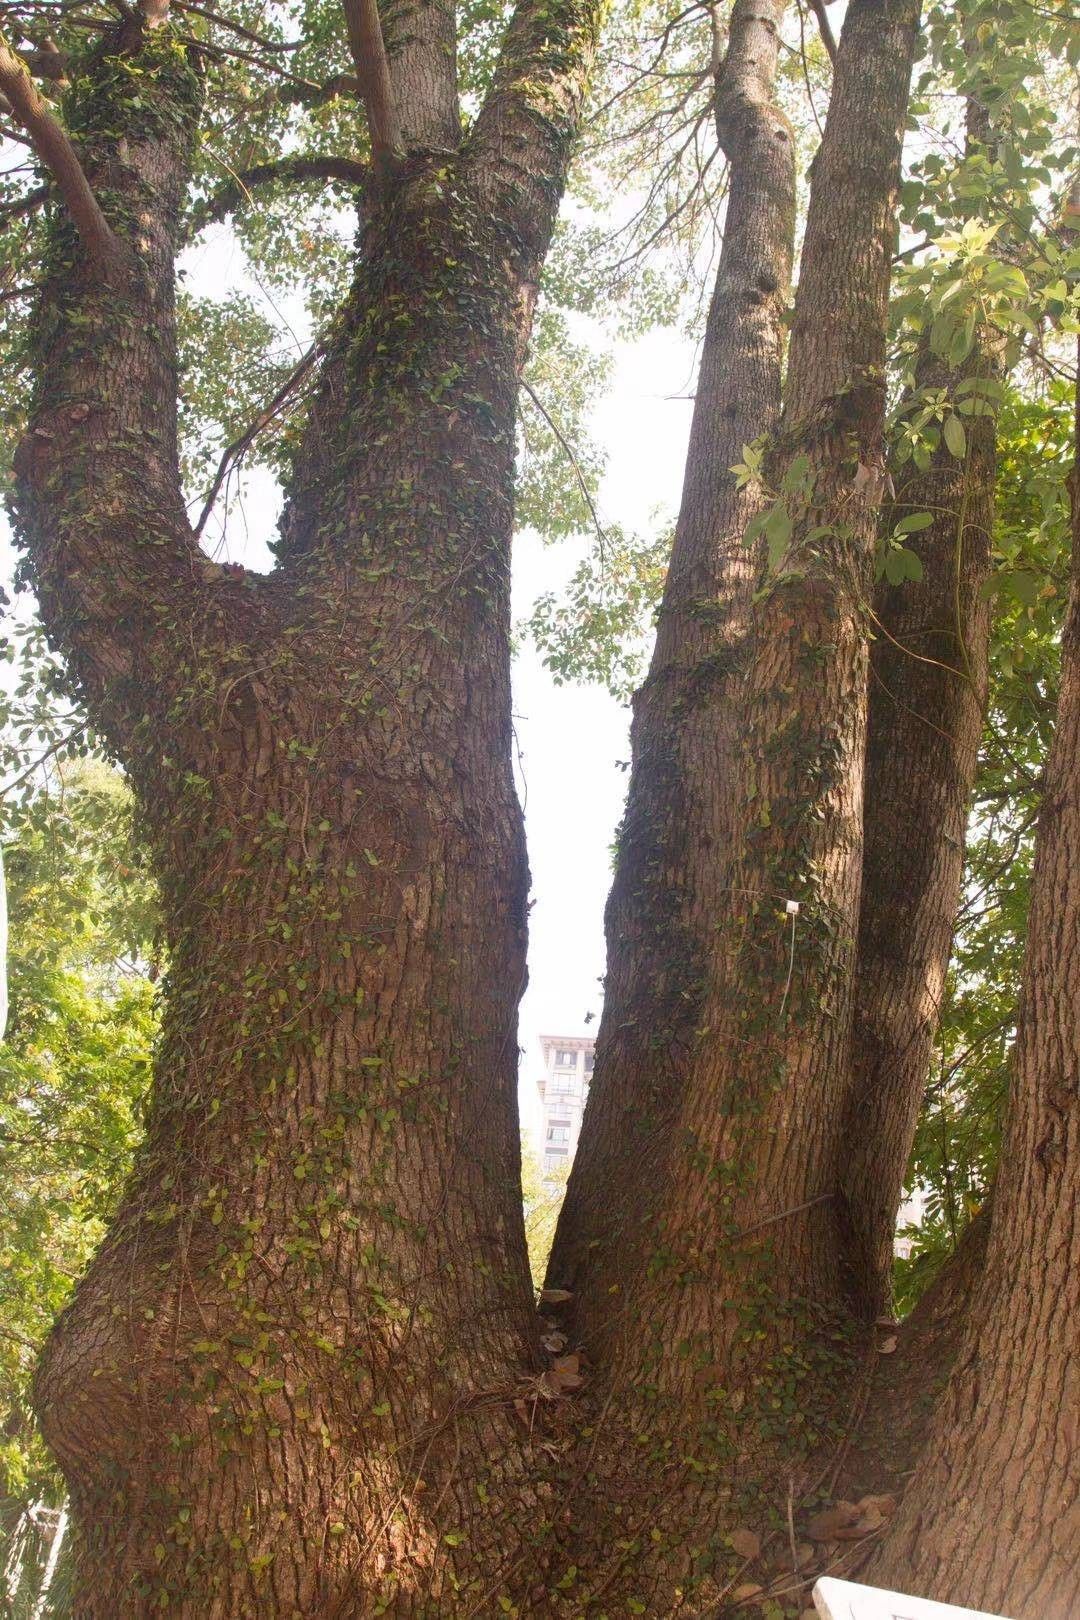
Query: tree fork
{"points": [[318, 1278], [747, 1208]]}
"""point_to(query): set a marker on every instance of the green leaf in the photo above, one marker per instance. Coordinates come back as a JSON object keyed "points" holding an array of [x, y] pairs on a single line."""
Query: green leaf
{"points": [[914, 522], [901, 565], [955, 437]]}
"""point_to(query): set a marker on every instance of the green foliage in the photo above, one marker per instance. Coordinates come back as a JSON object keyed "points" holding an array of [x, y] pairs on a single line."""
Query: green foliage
{"points": [[598, 629], [543, 1193], [559, 465], [73, 1069], [231, 363]]}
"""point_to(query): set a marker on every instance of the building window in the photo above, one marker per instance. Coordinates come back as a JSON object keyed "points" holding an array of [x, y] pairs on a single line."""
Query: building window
{"points": [[565, 1060], [559, 1134], [564, 1083], [589, 1062]]}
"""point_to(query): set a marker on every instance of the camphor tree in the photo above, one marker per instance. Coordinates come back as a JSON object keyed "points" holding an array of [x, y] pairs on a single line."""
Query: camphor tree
{"points": [[283, 1384], [304, 1374], [772, 1001]]}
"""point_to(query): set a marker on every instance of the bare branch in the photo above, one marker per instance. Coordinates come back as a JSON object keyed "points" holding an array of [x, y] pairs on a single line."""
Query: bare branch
{"points": [[828, 38], [373, 71], [234, 452], [568, 451], [238, 28], [55, 150]]}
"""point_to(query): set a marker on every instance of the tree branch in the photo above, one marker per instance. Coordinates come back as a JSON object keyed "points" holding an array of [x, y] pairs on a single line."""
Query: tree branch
{"points": [[233, 452], [828, 38], [118, 574], [523, 137], [18, 206], [373, 71], [282, 171], [55, 150]]}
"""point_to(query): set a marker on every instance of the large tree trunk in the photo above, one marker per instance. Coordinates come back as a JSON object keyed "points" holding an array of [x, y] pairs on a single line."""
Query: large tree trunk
{"points": [[747, 1207], [927, 700], [286, 1384], [675, 840], [992, 1519]]}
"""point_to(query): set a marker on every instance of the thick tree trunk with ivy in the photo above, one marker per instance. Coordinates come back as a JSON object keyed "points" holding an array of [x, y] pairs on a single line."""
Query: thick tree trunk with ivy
{"points": [[746, 1208], [286, 1384], [927, 699], [304, 1375], [675, 841], [993, 1516], [928, 684]]}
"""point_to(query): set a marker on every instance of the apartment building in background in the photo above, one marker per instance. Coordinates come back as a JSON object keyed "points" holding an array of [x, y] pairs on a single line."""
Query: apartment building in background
{"points": [[568, 1067]]}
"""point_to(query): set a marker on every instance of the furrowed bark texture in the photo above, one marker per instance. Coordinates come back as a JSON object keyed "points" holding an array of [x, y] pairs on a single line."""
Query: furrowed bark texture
{"points": [[421, 44], [675, 841], [748, 1202], [286, 1385], [906, 1386], [928, 682], [928, 675], [992, 1519]]}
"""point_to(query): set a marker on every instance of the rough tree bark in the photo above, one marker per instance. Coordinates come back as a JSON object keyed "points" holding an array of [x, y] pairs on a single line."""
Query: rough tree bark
{"points": [[674, 844], [992, 1519], [928, 682], [746, 1207], [285, 1386], [288, 1384]]}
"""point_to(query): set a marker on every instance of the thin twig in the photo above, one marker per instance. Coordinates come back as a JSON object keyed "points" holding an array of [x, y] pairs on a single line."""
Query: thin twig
{"points": [[239, 446], [575, 464], [62, 742], [771, 1220]]}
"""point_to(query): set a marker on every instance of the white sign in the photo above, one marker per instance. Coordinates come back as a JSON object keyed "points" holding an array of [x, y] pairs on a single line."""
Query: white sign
{"points": [[847, 1600]]}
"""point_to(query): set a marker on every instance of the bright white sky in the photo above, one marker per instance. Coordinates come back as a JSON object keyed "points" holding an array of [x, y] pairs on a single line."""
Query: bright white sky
{"points": [[570, 738]]}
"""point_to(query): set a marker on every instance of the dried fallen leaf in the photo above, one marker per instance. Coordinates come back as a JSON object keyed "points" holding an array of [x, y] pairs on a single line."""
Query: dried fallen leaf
{"points": [[887, 1346], [804, 1553], [748, 1590], [745, 1543], [553, 1342], [565, 1373], [555, 1296], [827, 1525], [885, 1505]]}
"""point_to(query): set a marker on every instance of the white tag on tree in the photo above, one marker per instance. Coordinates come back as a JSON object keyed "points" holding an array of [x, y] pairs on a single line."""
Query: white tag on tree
{"points": [[847, 1600]]}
